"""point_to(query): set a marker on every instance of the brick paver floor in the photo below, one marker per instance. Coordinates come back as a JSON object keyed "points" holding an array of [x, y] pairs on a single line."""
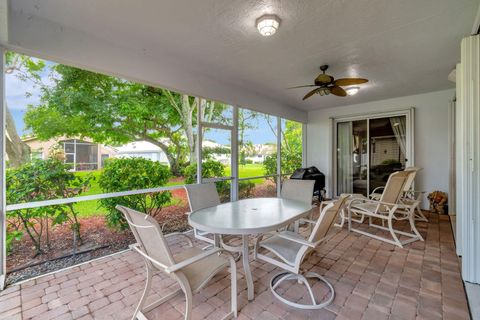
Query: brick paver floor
{"points": [[372, 280]]}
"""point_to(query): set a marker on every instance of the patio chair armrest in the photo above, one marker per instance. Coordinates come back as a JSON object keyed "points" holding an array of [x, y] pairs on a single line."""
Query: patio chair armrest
{"points": [[180, 234], [136, 247], [307, 221], [297, 240], [189, 261], [376, 189], [373, 201]]}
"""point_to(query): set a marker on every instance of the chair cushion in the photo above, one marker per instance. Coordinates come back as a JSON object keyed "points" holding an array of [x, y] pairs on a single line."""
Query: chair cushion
{"points": [[200, 272], [284, 249]]}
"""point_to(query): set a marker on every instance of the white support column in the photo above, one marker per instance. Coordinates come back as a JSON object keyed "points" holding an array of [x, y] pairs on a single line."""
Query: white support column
{"points": [[199, 141], [304, 145], [234, 156], [279, 156], [470, 169], [459, 161], [3, 212]]}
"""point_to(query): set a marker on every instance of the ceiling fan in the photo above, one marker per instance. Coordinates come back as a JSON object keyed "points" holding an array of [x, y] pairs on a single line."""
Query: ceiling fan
{"points": [[326, 84]]}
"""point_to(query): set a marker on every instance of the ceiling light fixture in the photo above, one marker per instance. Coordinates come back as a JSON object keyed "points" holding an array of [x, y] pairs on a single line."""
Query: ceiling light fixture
{"points": [[268, 24], [351, 91]]}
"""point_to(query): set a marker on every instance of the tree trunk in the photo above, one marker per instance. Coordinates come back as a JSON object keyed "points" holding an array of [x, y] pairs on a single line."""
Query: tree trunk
{"points": [[17, 151], [175, 167], [187, 119]]}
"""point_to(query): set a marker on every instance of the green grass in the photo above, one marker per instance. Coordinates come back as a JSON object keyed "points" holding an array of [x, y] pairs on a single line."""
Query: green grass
{"points": [[93, 208], [249, 170]]}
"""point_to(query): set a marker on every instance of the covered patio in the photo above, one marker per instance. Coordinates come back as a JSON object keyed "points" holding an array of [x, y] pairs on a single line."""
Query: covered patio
{"points": [[404, 104], [372, 280]]}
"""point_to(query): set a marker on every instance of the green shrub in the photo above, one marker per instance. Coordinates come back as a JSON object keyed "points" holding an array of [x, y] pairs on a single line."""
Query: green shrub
{"points": [[245, 189], [289, 161], [41, 180], [210, 169], [133, 174], [214, 169]]}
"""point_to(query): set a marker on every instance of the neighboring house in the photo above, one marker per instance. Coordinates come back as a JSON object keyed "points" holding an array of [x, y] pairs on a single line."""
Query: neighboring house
{"points": [[142, 149], [259, 152], [224, 158], [82, 154]]}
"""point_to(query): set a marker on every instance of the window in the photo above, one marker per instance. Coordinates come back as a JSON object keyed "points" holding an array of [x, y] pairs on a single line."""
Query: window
{"points": [[82, 155]]}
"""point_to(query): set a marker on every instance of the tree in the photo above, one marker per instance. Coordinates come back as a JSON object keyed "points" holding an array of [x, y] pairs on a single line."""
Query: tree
{"points": [[247, 119], [26, 69], [291, 151], [115, 111]]}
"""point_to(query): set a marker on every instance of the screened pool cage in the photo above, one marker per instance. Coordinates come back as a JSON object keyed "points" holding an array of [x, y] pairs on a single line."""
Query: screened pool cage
{"points": [[228, 128]]}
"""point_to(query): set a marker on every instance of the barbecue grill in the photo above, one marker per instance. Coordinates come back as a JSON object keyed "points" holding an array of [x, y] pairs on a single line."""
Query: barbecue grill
{"points": [[312, 173]]}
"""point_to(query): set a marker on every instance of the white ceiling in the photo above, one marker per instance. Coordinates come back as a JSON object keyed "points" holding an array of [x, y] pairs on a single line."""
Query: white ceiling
{"points": [[404, 47]]}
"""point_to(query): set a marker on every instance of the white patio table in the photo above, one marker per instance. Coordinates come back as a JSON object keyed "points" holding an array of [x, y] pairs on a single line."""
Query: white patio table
{"points": [[248, 217]]}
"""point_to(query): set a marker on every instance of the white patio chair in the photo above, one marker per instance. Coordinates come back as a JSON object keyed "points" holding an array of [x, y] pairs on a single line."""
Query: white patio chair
{"points": [[385, 209], [289, 250], [205, 195], [191, 268], [298, 190], [408, 195], [201, 196]]}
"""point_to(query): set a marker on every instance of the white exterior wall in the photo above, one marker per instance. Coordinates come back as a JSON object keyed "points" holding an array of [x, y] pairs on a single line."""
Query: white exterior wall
{"points": [[430, 137]]}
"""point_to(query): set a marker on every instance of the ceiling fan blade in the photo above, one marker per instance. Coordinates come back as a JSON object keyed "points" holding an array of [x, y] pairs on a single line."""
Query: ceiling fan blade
{"points": [[349, 81], [305, 86], [311, 93], [336, 90]]}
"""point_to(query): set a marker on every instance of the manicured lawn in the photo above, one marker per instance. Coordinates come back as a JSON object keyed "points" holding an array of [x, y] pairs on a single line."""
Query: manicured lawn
{"points": [[93, 208], [249, 170]]}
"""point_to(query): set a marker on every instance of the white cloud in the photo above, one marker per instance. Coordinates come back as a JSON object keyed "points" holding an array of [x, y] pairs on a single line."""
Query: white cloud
{"points": [[16, 90]]}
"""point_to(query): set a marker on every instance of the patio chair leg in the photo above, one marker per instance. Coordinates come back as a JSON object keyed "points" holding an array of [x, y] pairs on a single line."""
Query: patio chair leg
{"points": [[342, 219], [419, 214], [392, 232], [412, 225], [148, 285], [188, 296], [279, 278]]}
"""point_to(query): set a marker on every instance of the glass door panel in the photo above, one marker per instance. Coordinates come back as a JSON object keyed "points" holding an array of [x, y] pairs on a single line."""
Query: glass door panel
{"points": [[352, 157], [369, 150], [388, 138]]}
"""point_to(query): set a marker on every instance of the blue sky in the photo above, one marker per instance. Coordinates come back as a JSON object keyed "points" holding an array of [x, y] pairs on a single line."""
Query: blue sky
{"points": [[20, 94]]}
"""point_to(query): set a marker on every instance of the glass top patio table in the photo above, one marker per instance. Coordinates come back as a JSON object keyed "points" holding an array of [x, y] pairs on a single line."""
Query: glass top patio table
{"points": [[248, 217]]}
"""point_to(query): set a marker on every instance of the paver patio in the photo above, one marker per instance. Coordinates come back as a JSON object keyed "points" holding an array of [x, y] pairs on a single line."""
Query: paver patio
{"points": [[372, 280]]}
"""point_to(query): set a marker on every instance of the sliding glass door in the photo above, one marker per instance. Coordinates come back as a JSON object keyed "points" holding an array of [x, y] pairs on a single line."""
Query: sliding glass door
{"points": [[368, 150]]}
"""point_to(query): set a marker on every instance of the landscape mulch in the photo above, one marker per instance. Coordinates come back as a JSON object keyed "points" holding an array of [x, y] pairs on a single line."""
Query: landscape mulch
{"points": [[97, 239]]}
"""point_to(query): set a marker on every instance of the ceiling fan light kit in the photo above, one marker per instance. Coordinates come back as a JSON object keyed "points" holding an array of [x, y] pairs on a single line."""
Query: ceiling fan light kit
{"points": [[327, 84], [268, 24], [351, 91]]}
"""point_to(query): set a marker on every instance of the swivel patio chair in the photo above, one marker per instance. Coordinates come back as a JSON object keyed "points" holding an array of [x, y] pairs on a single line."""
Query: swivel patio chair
{"points": [[290, 249], [191, 268], [298, 190], [384, 209]]}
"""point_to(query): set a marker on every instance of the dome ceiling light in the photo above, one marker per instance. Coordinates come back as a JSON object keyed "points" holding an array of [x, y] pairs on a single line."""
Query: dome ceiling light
{"points": [[268, 24]]}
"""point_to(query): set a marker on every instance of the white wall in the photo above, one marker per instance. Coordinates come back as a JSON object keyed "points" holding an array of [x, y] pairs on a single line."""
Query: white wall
{"points": [[430, 138]]}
